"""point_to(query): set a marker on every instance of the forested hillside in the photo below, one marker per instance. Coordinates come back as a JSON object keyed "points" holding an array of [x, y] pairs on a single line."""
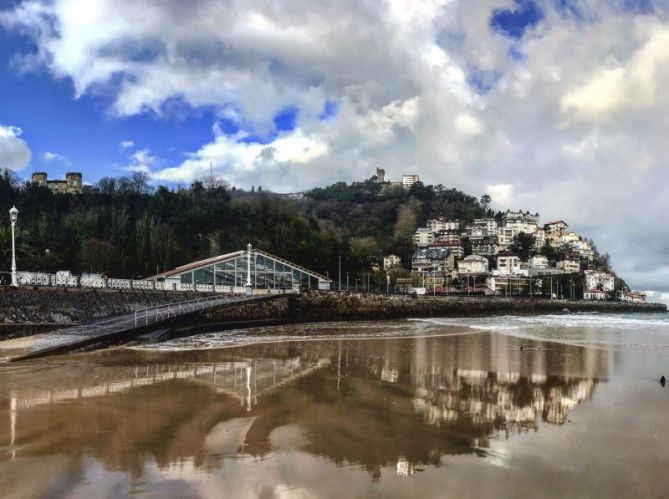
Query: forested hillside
{"points": [[125, 228]]}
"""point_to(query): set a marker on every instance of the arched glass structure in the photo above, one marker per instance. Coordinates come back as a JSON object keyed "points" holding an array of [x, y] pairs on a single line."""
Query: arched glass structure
{"points": [[267, 272]]}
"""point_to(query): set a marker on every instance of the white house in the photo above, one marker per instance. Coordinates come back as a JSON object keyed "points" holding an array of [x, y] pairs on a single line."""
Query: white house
{"points": [[482, 227], [555, 230], [600, 280], [594, 294], [507, 263], [473, 264], [409, 180], [391, 261], [423, 237], [539, 239], [569, 266], [634, 297], [583, 248], [538, 262], [441, 223], [505, 236], [520, 221]]}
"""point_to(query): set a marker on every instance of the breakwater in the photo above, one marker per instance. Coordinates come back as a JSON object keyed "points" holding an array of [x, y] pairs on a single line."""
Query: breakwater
{"points": [[319, 306]]}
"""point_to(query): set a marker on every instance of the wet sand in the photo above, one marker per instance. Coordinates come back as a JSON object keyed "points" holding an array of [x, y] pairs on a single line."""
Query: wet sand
{"points": [[447, 412]]}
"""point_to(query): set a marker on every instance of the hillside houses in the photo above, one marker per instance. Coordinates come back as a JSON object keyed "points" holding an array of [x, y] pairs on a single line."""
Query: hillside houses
{"points": [[510, 250]]}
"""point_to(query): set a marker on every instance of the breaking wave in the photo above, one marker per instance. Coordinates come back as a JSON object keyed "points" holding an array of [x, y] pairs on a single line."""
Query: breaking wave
{"points": [[643, 332]]}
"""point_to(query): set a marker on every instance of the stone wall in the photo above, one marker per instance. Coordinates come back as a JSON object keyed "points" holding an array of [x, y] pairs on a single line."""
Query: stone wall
{"points": [[62, 305], [273, 308], [320, 306]]}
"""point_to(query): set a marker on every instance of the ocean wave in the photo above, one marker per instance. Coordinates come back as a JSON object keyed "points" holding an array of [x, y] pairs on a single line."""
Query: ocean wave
{"points": [[235, 338]]}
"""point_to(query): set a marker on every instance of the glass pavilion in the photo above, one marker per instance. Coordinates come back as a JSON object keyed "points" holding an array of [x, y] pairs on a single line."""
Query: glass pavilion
{"points": [[267, 272]]}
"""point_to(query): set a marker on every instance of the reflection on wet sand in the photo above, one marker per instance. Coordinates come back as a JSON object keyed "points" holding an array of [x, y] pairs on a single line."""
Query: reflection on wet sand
{"points": [[370, 404]]}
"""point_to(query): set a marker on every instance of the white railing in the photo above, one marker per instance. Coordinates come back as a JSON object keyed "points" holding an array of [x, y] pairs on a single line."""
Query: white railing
{"points": [[96, 281], [149, 315]]}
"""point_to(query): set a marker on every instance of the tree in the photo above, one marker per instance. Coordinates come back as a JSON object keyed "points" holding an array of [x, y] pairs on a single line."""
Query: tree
{"points": [[97, 255], [549, 252], [107, 185], [485, 202], [522, 245]]}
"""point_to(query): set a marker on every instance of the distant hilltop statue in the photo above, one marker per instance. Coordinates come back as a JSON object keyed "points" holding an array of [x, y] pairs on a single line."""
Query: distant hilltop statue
{"points": [[73, 183]]}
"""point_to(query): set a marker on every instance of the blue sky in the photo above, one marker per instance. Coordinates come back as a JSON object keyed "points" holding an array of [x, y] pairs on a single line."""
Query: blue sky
{"points": [[87, 135], [82, 130]]}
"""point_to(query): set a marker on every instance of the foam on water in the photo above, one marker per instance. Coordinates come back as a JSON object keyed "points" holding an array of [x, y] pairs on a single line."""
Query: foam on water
{"points": [[637, 332], [307, 332]]}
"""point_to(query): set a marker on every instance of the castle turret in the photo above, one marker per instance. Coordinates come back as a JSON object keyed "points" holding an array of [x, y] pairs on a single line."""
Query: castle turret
{"points": [[74, 182], [39, 178]]}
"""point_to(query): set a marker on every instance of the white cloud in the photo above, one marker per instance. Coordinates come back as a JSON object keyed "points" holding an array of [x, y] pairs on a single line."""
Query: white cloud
{"points": [[126, 144], [635, 84], [14, 152], [141, 161], [570, 120], [238, 161], [52, 156]]}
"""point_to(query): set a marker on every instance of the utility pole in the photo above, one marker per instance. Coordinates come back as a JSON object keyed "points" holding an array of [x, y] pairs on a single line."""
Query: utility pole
{"points": [[346, 281]]}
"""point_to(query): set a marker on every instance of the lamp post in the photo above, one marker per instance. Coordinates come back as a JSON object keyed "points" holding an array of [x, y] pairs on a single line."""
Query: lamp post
{"points": [[248, 284], [13, 216]]}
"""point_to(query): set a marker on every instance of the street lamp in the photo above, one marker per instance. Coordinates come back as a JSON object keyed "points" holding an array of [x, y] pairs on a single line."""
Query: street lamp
{"points": [[248, 285], [13, 216]]}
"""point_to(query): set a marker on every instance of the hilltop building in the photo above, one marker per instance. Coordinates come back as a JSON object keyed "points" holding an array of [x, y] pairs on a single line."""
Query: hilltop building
{"points": [[73, 183], [409, 180]]}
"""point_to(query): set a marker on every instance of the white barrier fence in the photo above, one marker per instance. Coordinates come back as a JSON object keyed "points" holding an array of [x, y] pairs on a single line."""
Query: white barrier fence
{"points": [[67, 280]]}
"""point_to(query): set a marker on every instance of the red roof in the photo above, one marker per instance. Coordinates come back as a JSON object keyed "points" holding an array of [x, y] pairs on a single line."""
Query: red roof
{"points": [[555, 222]]}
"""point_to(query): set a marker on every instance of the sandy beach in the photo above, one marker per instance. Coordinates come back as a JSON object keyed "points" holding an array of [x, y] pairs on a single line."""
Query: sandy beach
{"points": [[548, 406]]}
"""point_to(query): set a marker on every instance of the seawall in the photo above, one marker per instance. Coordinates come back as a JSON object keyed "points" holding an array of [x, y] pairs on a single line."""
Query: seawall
{"points": [[318, 306], [29, 311], [36, 310]]}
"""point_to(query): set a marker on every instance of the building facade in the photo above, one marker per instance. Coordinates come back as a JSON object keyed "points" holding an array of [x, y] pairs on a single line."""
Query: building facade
{"points": [[600, 280], [507, 263], [473, 264], [409, 180], [73, 183], [569, 266], [423, 237], [391, 261]]}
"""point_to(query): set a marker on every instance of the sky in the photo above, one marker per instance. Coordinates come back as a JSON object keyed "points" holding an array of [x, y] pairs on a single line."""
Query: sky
{"points": [[555, 106]]}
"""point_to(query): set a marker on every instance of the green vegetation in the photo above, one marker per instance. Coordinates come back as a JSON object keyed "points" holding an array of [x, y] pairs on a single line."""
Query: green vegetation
{"points": [[125, 228]]}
